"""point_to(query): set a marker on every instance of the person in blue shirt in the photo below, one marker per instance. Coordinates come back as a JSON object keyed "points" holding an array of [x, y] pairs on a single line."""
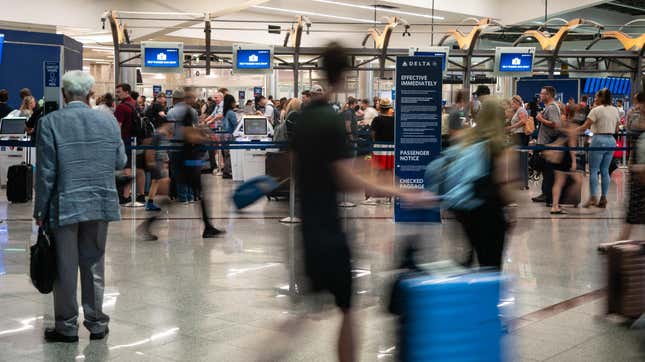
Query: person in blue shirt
{"points": [[229, 123]]}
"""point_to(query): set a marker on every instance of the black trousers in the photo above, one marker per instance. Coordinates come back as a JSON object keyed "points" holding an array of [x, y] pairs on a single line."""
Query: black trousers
{"points": [[548, 178], [485, 228], [193, 175]]}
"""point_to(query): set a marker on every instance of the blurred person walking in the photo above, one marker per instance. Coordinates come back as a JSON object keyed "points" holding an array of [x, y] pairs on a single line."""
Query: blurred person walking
{"points": [[635, 206], [78, 151], [324, 170], [473, 179], [564, 163], [603, 120]]}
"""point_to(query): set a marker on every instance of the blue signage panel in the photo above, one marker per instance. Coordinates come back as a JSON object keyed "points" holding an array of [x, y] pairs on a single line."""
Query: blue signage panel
{"points": [[241, 95], [1, 46], [434, 54], [257, 91], [168, 93], [253, 59], [156, 89], [516, 62], [418, 128], [161, 57], [52, 74]]}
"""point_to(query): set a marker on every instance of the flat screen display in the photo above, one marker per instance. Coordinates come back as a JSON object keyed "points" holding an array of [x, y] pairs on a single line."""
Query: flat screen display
{"points": [[13, 125], [255, 126], [161, 57], [1, 46], [515, 62], [253, 59]]}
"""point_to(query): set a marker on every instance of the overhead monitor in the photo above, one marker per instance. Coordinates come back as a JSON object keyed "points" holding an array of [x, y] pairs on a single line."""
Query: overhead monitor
{"points": [[438, 51], [13, 126], [252, 58], [513, 61], [256, 126], [1, 46], [162, 57]]}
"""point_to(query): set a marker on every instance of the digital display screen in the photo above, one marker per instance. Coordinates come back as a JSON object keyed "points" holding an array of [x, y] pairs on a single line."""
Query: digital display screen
{"points": [[516, 62], [253, 59], [161, 57], [434, 54], [255, 126], [13, 125], [1, 46]]}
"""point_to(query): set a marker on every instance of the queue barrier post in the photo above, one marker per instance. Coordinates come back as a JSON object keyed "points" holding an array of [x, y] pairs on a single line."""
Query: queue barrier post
{"points": [[133, 166], [292, 219]]}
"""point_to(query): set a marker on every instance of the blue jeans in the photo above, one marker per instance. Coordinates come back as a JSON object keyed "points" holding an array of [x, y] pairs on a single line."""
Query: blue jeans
{"points": [[599, 161]]}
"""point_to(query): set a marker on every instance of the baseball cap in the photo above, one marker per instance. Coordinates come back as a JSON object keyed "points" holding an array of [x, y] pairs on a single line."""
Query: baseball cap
{"points": [[316, 89]]}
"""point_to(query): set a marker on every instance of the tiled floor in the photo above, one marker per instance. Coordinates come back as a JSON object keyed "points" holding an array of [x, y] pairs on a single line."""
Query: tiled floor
{"points": [[184, 298]]}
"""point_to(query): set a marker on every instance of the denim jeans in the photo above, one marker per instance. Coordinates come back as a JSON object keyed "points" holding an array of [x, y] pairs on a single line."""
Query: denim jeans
{"points": [[599, 161]]}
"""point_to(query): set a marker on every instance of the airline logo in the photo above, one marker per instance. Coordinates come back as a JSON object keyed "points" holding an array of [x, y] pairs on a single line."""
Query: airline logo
{"points": [[162, 56], [516, 61], [253, 58]]}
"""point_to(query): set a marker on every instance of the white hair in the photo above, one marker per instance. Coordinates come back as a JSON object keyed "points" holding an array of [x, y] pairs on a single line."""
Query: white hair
{"points": [[77, 84]]}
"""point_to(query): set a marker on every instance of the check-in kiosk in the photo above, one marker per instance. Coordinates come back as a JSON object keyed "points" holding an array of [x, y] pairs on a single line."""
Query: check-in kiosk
{"points": [[12, 129], [250, 163]]}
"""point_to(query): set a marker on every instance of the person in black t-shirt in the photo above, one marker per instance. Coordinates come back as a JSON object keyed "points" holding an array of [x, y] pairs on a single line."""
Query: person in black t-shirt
{"points": [[324, 170], [5, 109]]}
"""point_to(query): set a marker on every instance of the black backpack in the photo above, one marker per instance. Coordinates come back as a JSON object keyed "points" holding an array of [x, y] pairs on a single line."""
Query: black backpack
{"points": [[142, 127]]}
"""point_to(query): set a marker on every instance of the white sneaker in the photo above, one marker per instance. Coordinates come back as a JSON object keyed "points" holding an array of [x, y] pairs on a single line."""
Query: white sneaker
{"points": [[370, 201]]}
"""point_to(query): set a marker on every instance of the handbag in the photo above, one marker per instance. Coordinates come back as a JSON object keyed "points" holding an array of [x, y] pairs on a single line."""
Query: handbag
{"points": [[529, 126], [42, 268]]}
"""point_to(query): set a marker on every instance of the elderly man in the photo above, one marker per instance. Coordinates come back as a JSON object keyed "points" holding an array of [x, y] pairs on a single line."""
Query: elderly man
{"points": [[78, 150]]}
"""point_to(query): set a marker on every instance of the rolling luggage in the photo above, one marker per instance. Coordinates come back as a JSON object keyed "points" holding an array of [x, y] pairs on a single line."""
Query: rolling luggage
{"points": [[20, 182], [278, 166], [447, 317], [626, 279]]}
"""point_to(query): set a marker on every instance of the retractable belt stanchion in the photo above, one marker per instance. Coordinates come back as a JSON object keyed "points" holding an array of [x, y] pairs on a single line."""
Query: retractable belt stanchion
{"points": [[292, 219], [624, 165], [133, 167]]}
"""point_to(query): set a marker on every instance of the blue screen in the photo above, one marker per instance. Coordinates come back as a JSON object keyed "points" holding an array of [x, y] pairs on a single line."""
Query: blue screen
{"points": [[253, 59], [433, 54], [516, 62], [161, 57], [1, 45]]}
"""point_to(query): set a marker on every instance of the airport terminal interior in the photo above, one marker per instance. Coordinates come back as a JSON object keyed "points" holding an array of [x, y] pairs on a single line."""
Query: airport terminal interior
{"points": [[161, 148]]}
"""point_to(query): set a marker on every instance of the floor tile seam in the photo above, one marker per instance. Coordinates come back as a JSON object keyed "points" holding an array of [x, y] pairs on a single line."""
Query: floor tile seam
{"points": [[560, 307]]}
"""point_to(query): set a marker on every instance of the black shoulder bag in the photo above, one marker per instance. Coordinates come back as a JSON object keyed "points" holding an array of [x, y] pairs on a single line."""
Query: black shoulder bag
{"points": [[42, 268]]}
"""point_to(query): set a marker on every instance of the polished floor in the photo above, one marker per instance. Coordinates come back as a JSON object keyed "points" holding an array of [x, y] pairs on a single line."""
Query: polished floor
{"points": [[184, 298]]}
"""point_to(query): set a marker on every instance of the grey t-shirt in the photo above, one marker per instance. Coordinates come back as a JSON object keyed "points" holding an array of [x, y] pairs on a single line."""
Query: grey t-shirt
{"points": [[547, 134]]}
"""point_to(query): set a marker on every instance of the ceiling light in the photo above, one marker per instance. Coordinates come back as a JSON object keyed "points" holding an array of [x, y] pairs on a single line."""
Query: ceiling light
{"points": [[367, 7], [301, 12], [95, 60]]}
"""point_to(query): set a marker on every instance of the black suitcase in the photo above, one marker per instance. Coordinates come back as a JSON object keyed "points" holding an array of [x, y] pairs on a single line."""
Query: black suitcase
{"points": [[278, 166], [20, 181]]}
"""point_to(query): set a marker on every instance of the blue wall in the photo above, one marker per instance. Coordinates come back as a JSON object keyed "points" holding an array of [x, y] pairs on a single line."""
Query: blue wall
{"points": [[23, 56], [527, 88]]}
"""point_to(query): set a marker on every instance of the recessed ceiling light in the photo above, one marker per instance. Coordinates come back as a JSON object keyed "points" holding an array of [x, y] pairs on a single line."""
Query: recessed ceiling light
{"points": [[301, 12], [379, 7]]}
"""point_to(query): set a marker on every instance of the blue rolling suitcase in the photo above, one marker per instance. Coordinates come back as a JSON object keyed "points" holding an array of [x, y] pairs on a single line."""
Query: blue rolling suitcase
{"points": [[450, 318]]}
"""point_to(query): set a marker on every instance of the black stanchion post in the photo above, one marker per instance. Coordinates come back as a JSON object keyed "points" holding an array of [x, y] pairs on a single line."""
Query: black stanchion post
{"points": [[133, 167]]}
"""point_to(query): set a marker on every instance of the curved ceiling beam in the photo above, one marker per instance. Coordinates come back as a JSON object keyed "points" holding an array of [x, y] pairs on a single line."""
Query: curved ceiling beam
{"points": [[382, 39], [468, 41], [629, 43], [553, 43]]}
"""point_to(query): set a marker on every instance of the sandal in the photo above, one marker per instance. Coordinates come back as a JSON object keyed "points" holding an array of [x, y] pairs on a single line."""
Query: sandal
{"points": [[558, 212]]}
